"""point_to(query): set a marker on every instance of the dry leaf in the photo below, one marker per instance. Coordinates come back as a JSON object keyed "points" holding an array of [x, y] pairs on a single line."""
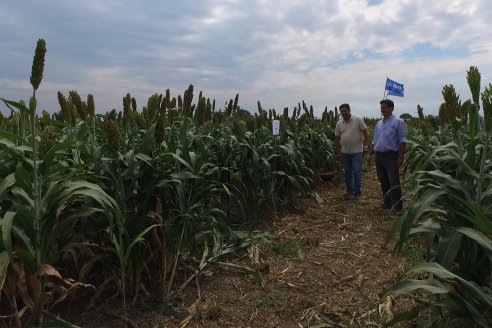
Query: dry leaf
{"points": [[386, 308], [48, 270]]}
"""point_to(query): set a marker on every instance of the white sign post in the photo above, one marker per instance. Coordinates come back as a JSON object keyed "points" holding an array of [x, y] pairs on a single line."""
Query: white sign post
{"points": [[276, 133], [276, 127]]}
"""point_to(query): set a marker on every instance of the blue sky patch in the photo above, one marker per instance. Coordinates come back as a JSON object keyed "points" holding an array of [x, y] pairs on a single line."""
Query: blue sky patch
{"points": [[428, 51], [374, 2], [352, 58]]}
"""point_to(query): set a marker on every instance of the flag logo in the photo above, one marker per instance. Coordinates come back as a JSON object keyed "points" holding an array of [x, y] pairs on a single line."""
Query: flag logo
{"points": [[394, 88]]}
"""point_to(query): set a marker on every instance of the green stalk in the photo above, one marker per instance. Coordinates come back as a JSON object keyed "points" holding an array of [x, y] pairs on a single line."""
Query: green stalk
{"points": [[175, 264], [482, 168], [122, 277], [32, 108], [13, 292], [35, 79]]}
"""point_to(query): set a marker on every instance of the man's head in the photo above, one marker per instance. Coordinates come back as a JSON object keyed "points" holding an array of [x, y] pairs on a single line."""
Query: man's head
{"points": [[345, 111], [387, 106]]}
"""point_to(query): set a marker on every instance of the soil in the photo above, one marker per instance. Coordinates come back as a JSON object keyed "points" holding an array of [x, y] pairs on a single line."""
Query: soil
{"points": [[327, 266]]}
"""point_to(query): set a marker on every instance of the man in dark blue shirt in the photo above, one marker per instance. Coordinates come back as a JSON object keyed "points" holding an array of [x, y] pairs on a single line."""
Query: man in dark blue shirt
{"points": [[389, 144]]}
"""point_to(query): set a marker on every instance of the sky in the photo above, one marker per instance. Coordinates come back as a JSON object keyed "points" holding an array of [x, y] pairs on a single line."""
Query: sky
{"points": [[282, 52]]}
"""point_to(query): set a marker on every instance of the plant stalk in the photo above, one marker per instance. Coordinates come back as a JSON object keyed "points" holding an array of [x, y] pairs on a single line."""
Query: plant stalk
{"points": [[175, 264], [482, 168], [32, 105]]}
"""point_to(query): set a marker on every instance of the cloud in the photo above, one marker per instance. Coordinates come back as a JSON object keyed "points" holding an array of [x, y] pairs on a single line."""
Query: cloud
{"points": [[323, 52]]}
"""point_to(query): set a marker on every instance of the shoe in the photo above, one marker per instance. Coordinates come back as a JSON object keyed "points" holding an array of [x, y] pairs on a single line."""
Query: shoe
{"points": [[357, 197], [348, 196], [385, 206], [399, 212]]}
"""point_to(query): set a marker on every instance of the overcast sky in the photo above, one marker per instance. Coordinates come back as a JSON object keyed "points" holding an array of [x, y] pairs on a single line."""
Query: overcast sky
{"points": [[325, 52]]}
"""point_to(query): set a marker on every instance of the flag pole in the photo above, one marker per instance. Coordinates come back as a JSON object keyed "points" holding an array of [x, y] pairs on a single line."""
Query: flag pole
{"points": [[385, 94]]}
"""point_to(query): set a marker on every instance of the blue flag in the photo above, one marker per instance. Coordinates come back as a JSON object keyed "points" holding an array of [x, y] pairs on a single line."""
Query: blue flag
{"points": [[394, 88]]}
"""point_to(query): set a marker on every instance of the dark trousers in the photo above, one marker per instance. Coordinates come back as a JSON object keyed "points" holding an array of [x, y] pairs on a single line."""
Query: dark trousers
{"points": [[389, 177]]}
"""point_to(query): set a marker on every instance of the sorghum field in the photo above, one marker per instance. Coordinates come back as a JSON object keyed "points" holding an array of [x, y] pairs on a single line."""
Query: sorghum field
{"points": [[181, 214]]}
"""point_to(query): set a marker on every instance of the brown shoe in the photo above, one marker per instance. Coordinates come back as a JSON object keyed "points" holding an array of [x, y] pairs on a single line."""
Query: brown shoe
{"points": [[348, 196]]}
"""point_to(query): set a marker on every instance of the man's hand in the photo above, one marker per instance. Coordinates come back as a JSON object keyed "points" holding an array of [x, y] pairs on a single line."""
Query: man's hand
{"points": [[400, 160], [339, 156]]}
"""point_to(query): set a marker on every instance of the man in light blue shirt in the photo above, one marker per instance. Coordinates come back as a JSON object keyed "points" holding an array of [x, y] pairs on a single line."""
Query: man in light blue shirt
{"points": [[389, 145]]}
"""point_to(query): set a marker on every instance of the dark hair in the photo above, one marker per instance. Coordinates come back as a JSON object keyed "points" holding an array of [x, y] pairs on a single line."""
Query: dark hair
{"points": [[388, 102], [345, 106]]}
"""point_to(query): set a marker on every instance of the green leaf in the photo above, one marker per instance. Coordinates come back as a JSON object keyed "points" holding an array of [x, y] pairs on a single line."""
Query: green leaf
{"points": [[21, 198], [253, 273], [139, 238], [473, 123], [50, 198], [28, 259], [452, 303], [56, 322], [148, 140], [479, 237], [477, 316], [145, 158], [5, 184], [295, 182], [448, 249], [442, 273], [21, 235], [50, 121], [12, 137], [18, 105], [7, 233], [92, 190], [167, 183], [27, 149], [183, 161], [48, 161], [425, 204], [184, 175], [9, 144], [23, 179], [407, 286], [4, 264], [55, 230], [86, 212], [461, 307], [204, 260]]}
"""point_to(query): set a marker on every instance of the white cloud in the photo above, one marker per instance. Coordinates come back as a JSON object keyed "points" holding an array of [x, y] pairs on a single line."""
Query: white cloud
{"points": [[323, 52]]}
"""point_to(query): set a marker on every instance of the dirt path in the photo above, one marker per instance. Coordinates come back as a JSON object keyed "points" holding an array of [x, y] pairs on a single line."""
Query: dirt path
{"points": [[326, 268]]}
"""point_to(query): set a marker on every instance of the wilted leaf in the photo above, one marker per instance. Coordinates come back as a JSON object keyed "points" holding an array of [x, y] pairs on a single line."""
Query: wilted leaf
{"points": [[386, 308], [21, 284], [318, 198], [48, 270]]}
